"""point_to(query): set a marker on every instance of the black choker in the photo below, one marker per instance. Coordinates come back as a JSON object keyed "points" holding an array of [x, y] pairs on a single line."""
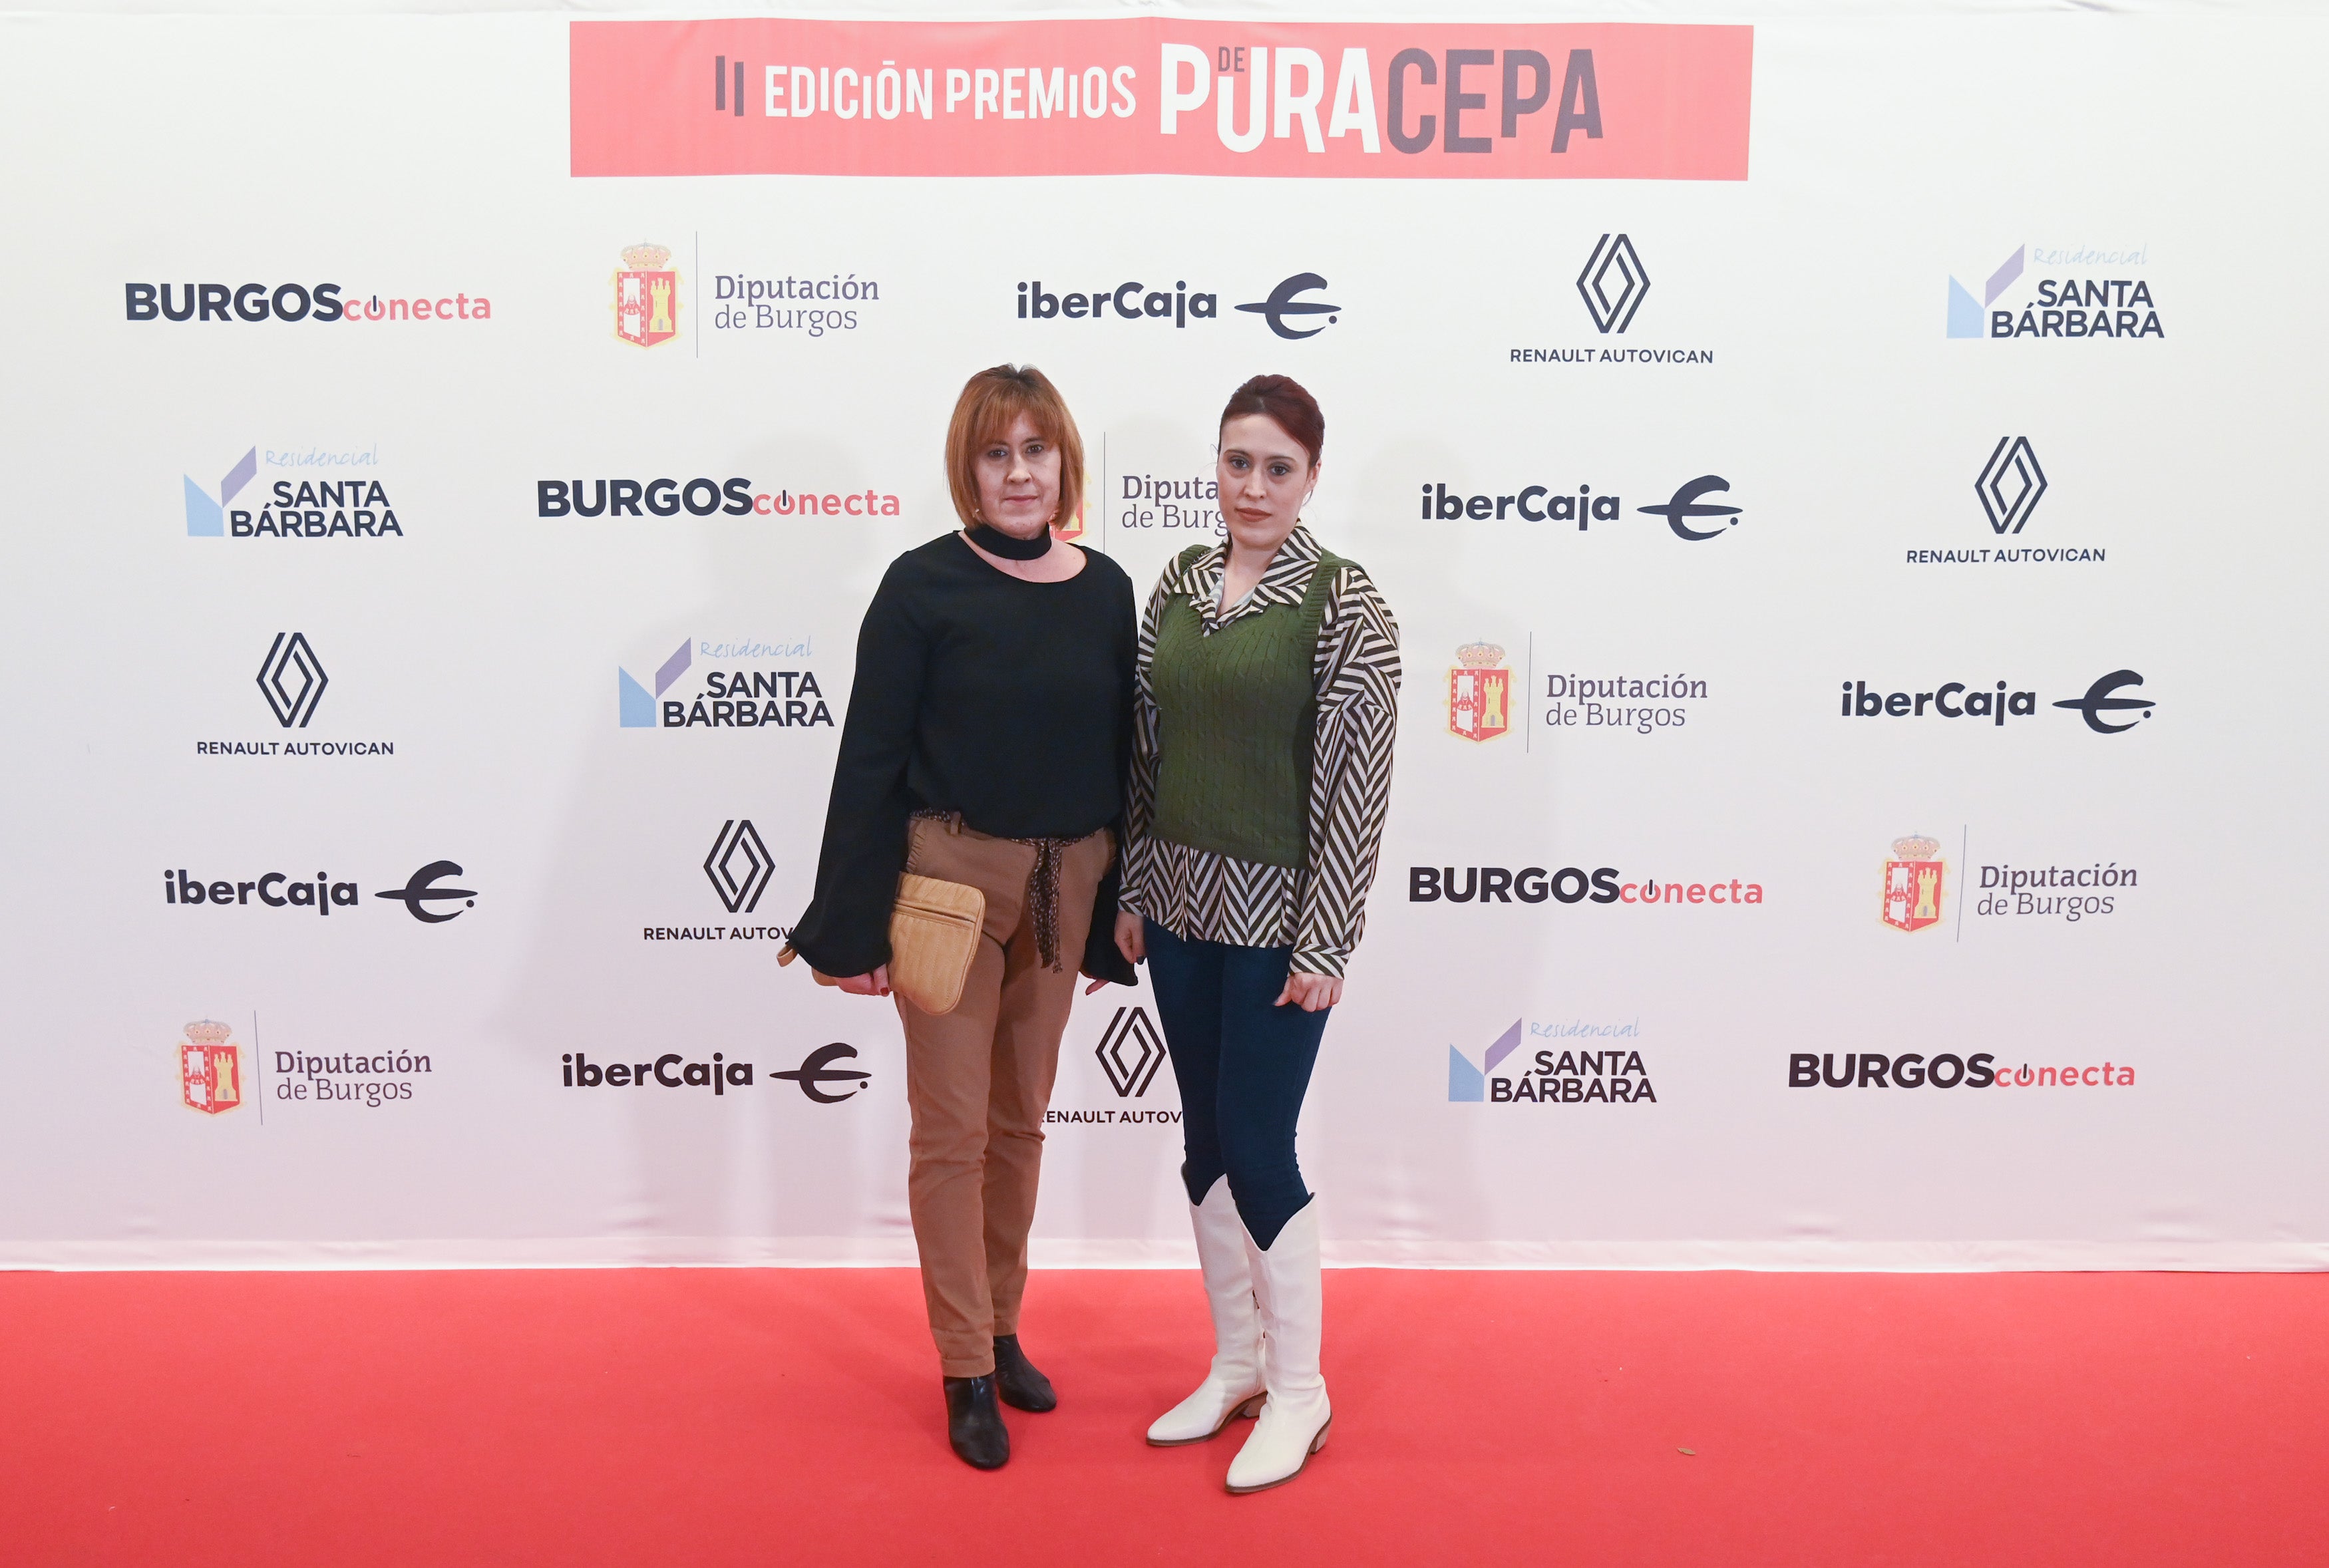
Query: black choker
{"points": [[994, 542]]}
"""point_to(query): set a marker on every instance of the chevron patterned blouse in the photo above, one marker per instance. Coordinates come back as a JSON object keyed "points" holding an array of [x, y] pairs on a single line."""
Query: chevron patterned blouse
{"points": [[1318, 908]]}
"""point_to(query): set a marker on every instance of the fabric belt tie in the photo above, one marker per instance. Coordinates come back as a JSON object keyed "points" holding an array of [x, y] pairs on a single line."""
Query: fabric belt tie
{"points": [[1043, 897], [1043, 886]]}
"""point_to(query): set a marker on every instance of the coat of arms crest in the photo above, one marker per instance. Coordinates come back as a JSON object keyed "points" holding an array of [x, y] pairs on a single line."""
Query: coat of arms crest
{"points": [[210, 1069], [647, 296], [1912, 884], [1479, 693]]}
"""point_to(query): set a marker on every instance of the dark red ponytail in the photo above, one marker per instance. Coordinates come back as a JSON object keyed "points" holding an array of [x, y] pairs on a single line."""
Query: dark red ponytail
{"points": [[1282, 399]]}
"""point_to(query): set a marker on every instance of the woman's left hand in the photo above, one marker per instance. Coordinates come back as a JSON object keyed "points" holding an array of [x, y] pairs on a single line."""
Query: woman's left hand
{"points": [[1130, 941], [1311, 992]]}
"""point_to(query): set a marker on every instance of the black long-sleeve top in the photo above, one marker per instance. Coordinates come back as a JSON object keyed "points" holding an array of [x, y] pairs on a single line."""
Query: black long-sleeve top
{"points": [[978, 693]]}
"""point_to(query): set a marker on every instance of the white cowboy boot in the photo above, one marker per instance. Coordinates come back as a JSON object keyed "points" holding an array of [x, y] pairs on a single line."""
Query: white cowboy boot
{"points": [[1296, 1419], [1233, 1387]]}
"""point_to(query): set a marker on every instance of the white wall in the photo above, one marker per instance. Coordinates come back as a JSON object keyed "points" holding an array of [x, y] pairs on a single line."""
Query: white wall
{"points": [[429, 156]]}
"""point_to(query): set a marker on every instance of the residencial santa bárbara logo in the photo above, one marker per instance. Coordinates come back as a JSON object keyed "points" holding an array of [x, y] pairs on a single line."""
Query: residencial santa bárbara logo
{"points": [[1595, 1062]]}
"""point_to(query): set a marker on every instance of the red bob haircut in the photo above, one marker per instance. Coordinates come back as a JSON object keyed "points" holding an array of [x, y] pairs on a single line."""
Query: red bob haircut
{"points": [[991, 401]]}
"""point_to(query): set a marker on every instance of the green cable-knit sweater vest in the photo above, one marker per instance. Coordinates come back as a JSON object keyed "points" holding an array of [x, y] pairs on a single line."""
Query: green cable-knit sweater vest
{"points": [[1237, 722]]}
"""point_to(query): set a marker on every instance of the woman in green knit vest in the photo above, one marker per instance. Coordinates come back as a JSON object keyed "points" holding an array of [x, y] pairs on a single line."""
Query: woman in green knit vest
{"points": [[1265, 705]]}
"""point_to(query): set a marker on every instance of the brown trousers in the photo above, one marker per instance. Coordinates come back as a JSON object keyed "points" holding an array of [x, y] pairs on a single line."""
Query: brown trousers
{"points": [[978, 1081]]}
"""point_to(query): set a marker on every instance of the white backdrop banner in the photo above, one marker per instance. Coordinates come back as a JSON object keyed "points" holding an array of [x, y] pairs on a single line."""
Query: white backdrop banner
{"points": [[1845, 484]]}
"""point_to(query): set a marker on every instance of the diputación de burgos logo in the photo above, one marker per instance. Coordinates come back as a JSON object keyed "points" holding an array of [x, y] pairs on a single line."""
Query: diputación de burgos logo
{"points": [[1569, 885], [210, 1069], [2071, 291], [1479, 693], [324, 303], [1917, 887], [1617, 703], [1584, 1062], [2071, 894], [761, 297], [741, 683], [304, 491], [1913, 884], [647, 296], [1481, 698], [217, 1075], [370, 1079], [1164, 501], [749, 296]]}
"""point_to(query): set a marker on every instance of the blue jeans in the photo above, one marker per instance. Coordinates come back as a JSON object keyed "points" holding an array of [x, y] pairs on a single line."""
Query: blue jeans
{"points": [[1243, 1064]]}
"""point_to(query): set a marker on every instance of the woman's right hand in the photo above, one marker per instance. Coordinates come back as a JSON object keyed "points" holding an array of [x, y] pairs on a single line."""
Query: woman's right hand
{"points": [[1130, 940], [874, 982]]}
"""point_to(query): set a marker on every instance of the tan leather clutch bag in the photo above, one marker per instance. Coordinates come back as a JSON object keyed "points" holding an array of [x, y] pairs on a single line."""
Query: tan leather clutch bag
{"points": [[933, 936], [934, 930]]}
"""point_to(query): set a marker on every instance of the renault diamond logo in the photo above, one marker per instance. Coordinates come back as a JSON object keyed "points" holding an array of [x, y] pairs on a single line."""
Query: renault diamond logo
{"points": [[292, 679], [2009, 484], [1129, 1052], [1613, 283], [739, 865]]}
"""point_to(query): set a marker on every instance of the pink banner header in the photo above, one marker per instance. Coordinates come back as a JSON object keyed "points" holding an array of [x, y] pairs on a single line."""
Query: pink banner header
{"points": [[1157, 95]]}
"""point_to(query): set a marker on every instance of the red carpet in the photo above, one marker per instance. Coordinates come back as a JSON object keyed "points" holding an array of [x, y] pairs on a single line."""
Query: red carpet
{"points": [[774, 1416]]}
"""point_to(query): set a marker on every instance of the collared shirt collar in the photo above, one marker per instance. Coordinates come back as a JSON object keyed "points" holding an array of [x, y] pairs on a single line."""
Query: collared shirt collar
{"points": [[1285, 582]]}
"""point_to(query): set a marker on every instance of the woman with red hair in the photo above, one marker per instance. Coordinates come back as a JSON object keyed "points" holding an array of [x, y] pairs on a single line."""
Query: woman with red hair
{"points": [[988, 732], [1264, 709]]}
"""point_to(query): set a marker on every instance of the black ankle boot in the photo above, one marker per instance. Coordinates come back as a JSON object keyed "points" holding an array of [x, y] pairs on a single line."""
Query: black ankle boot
{"points": [[1023, 1387], [974, 1426]]}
